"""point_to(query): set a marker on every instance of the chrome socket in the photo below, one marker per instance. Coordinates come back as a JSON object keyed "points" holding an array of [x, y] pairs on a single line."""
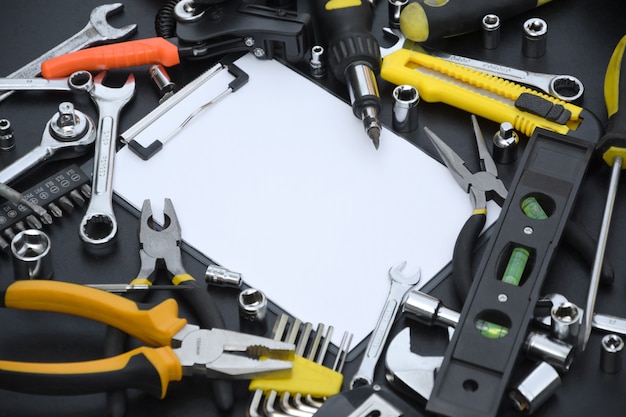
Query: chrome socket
{"points": [[252, 311], [505, 144], [491, 31], [317, 63], [162, 80], [7, 141], [31, 255], [555, 352], [611, 354], [566, 322], [537, 387], [222, 277], [535, 32], [395, 8], [405, 113]]}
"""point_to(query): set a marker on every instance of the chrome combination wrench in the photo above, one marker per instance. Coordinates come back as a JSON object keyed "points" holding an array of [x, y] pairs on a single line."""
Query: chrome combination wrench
{"points": [[98, 227], [400, 284], [97, 30]]}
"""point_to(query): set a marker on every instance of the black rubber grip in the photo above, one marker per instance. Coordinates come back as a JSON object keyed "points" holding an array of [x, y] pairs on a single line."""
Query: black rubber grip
{"points": [[462, 272], [209, 317], [139, 374], [577, 238]]}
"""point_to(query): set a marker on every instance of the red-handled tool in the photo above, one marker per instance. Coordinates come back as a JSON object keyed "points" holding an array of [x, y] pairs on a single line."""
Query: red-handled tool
{"points": [[119, 55]]}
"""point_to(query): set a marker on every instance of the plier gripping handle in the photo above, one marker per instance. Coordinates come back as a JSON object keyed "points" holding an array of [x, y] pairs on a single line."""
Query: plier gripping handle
{"points": [[181, 349]]}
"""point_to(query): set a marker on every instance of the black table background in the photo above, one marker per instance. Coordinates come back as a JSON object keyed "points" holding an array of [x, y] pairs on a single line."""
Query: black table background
{"points": [[581, 38]]}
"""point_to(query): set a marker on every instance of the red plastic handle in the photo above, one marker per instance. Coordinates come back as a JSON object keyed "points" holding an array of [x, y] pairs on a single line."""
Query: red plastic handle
{"points": [[120, 55]]}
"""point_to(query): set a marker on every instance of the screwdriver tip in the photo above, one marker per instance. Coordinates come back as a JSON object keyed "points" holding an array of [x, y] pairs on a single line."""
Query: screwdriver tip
{"points": [[374, 134]]}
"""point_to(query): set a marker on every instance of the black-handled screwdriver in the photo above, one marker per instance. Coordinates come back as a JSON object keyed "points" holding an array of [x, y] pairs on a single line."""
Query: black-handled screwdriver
{"points": [[612, 147], [353, 56]]}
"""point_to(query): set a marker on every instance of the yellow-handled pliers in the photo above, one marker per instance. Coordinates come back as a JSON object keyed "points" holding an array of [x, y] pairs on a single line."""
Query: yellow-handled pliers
{"points": [[176, 347]]}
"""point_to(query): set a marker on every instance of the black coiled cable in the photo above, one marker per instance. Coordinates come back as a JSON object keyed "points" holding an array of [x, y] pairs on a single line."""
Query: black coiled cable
{"points": [[165, 21]]}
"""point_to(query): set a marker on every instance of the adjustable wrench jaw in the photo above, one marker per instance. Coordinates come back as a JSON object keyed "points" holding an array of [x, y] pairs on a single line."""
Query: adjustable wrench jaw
{"points": [[409, 371]]}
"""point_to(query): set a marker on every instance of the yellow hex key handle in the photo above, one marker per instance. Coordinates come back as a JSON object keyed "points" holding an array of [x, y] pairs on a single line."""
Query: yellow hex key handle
{"points": [[493, 98]]}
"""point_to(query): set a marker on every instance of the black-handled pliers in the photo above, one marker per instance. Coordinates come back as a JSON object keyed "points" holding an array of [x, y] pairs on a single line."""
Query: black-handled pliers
{"points": [[482, 186]]}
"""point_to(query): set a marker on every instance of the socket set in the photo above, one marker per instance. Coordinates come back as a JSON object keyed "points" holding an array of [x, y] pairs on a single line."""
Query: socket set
{"points": [[60, 193]]}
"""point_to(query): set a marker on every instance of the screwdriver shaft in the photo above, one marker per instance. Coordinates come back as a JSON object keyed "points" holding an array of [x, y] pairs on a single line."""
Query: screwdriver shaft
{"points": [[602, 240]]}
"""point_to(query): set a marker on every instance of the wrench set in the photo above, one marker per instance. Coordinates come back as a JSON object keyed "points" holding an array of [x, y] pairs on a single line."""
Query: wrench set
{"points": [[501, 347]]}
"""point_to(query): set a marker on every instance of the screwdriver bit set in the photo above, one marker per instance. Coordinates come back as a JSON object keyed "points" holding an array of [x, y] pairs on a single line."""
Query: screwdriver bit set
{"points": [[60, 193]]}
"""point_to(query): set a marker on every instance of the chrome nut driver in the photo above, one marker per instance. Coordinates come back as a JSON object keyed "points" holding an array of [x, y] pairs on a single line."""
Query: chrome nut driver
{"points": [[67, 134], [99, 226]]}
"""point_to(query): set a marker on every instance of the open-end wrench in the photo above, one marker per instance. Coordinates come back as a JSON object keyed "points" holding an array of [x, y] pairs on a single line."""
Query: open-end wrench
{"points": [[99, 226], [96, 31], [400, 284], [67, 134]]}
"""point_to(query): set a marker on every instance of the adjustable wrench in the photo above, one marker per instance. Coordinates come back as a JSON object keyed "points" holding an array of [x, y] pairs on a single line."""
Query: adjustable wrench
{"points": [[400, 284], [99, 226], [96, 31], [67, 134]]}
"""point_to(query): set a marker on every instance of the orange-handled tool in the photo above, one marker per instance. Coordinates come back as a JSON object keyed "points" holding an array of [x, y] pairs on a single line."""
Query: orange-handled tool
{"points": [[120, 55]]}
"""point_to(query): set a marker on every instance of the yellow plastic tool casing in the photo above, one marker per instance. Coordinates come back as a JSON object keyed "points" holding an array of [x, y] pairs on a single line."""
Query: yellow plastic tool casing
{"points": [[306, 378], [493, 98]]}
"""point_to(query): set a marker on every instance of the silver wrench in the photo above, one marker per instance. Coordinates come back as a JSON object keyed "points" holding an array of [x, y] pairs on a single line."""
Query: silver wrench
{"points": [[78, 81], [96, 31], [564, 87], [67, 134], [99, 226], [400, 284]]}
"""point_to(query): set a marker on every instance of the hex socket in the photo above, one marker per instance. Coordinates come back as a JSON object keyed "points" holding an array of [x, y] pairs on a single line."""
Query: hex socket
{"points": [[491, 31], [405, 100], [252, 311], [535, 31], [532, 391], [611, 354], [31, 255]]}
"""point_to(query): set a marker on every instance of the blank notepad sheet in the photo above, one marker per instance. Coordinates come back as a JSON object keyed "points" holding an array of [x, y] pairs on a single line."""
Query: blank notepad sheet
{"points": [[279, 181]]}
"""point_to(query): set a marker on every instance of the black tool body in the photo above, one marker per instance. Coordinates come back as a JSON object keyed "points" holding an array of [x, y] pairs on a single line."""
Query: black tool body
{"points": [[237, 26], [477, 368], [425, 20]]}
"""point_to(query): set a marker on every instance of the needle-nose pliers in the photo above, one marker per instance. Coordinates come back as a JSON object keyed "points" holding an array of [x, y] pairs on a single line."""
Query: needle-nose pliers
{"points": [[482, 186], [180, 348]]}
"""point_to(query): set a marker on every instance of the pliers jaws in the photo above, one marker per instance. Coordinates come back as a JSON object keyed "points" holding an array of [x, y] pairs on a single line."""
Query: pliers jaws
{"points": [[483, 185], [227, 354], [160, 248]]}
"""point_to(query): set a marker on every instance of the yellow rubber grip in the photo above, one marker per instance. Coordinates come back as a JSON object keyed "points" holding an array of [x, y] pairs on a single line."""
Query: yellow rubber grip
{"points": [[155, 326], [177, 279], [438, 80]]}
